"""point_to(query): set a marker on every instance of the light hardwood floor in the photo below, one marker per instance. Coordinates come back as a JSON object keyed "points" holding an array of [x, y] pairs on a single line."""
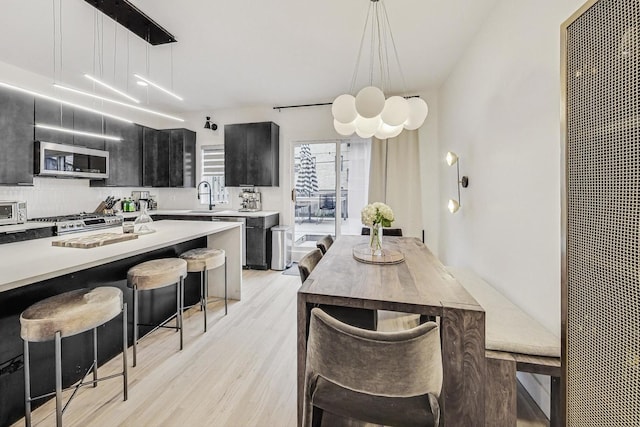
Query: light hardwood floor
{"points": [[242, 372]]}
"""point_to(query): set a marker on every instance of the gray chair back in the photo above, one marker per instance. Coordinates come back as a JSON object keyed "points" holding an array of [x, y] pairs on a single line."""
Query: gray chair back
{"points": [[308, 262], [354, 363], [324, 243]]}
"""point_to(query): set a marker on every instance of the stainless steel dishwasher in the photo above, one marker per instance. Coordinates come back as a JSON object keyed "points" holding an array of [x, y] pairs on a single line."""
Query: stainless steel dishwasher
{"points": [[243, 232]]}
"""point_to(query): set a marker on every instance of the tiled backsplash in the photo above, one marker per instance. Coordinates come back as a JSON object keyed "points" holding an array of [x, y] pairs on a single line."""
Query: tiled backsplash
{"points": [[56, 196], [53, 196]]}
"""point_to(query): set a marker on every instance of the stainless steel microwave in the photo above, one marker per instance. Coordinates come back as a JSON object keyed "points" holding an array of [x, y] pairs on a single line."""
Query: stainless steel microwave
{"points": [[70, 161], [13, 212]]}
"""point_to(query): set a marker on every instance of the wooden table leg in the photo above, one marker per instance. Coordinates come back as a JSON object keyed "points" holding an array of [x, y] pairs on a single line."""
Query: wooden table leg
{"points": [[462, 331]]}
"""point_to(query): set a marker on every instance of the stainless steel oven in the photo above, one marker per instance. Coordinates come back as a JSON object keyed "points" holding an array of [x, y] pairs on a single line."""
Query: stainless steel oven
{"points": [[12, 212], [243, 232]]}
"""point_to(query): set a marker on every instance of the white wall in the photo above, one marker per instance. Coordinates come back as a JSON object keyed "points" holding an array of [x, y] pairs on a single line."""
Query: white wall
{"points": [[500, 112]]}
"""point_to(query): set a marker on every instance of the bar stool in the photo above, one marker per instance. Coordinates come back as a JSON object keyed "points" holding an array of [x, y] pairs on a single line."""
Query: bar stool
{"points": [[202, 260], [65, 315], [156, 274]]}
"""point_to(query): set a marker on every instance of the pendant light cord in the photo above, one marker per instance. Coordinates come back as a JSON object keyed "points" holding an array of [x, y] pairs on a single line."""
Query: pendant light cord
{"points": [[379, 35], [364, 32]]}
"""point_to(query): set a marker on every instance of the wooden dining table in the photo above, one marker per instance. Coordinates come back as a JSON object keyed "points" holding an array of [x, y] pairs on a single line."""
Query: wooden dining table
{"points": [[420, 284]]}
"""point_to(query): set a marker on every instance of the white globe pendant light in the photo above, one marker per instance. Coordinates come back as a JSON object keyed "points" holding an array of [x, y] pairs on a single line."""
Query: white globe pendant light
{"points": [[344, 109], [370, 102], [385, 131], [368, 126], [396, 111], [418, 111], [391, 115], [344, 129]]}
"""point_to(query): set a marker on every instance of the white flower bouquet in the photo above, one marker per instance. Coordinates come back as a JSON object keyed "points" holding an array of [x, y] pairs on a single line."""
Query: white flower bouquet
{"points": [[377, 213]]}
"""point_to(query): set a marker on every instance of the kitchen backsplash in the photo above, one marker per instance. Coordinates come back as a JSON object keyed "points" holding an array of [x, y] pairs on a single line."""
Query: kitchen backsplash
{"points": [[54, 196]]}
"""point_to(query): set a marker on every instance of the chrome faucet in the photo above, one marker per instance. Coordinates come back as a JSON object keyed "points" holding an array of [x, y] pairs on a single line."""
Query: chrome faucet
{"points": [[206, 184]]}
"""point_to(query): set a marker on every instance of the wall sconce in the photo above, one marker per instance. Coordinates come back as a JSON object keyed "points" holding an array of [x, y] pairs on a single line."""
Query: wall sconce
{"points": [[452, 159], [209, 124]]}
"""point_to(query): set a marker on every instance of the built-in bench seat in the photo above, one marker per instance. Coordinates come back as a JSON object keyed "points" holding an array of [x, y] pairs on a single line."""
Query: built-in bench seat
{"points": [[514, 341]]}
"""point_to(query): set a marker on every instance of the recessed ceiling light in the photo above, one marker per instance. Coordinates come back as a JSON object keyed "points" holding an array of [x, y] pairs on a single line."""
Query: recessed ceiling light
{"points": [[141, 83]]}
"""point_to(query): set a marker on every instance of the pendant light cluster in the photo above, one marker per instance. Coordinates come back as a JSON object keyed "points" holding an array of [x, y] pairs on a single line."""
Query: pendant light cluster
{"points": [[370, 113]]}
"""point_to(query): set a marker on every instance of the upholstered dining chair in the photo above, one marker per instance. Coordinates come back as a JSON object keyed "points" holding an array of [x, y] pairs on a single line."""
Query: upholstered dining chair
{"points": [[324, 243], [359, 317], [385, 231], [308, 262], [389, 378]]}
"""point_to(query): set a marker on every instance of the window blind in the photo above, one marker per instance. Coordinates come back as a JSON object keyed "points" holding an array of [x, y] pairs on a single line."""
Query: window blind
{"points": [[213, 161]]}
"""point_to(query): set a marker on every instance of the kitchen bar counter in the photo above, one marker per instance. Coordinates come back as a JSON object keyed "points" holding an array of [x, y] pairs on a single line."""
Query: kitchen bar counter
{"points": [[33, 261], [33, 270]]}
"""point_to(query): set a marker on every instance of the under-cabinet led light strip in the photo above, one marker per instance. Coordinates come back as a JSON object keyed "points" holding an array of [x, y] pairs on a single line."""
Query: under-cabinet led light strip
{"points": [[79, 132], [158, 86], [119, 92], [61, 101], [124, 104]]}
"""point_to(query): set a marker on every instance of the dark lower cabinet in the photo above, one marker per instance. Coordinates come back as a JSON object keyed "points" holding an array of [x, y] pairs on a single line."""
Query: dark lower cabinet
{"points": [[258, 235], [125, 157], [16, 138]]}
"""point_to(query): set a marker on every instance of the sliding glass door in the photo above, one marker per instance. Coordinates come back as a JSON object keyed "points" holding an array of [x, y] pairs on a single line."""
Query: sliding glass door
{"points": [[330, 186]]}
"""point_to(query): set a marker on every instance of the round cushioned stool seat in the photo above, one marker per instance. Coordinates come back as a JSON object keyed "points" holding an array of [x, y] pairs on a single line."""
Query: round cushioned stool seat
{"points": [[202, 259], [70, 313], [157, 273]]}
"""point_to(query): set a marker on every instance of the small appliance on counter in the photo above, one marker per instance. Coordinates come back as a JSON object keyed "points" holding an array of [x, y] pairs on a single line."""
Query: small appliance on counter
{"points": [[138, 196], [13, 212], [251, 200]]}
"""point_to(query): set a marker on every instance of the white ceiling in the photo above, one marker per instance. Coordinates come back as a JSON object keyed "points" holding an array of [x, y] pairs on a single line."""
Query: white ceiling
{"points": [[237, 53]]}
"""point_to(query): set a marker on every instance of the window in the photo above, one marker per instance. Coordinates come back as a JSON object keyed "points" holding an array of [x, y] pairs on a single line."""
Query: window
{"points": [[213, 173]]}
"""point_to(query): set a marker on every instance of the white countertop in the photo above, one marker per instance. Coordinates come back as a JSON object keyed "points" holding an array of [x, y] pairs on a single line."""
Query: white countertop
{"points": [[32, 261], [228, 212]]}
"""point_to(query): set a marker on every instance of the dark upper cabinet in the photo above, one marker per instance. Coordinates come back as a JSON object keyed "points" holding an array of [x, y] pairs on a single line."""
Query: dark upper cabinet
{"points": [[169, 158], [251, 154], [182, 154], [86, 121], [60, 115], [155, 160], [125, 157], [53, 114], [16, 137]]}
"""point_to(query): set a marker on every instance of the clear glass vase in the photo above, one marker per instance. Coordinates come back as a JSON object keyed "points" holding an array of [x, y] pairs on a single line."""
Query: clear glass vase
{"points": [[144, 220], [375, 242]]}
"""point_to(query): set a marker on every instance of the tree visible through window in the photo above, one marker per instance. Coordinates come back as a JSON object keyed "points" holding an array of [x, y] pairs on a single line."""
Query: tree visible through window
{"points": [[213, 173]]}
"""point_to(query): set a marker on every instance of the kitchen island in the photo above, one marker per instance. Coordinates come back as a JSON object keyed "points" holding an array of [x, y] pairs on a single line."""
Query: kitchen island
{"points": [[34, 270]]}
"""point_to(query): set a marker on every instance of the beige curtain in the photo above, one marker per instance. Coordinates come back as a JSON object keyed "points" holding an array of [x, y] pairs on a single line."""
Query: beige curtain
{"points": [[394, 179]]}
